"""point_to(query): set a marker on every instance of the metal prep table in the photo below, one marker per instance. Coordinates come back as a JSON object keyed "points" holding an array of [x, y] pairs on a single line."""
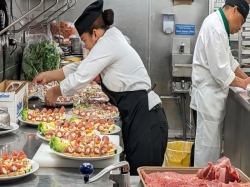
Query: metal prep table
{"points": [[237, 130], [25, 138]]}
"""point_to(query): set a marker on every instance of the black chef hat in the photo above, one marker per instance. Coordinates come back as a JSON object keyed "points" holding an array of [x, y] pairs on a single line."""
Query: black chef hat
{"points": [[243, 6], [88, 17]]}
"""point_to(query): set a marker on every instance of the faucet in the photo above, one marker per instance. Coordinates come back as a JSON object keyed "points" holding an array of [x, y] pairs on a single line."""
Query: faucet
{"points": [[120, 177], [182, 48], [182, 84]]}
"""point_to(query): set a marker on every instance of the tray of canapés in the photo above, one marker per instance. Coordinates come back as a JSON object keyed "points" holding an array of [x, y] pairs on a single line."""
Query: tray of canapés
{"points": [[16, 165], [35, 117], [93, 147], [91, 92], [93, 109], [77, 128]]}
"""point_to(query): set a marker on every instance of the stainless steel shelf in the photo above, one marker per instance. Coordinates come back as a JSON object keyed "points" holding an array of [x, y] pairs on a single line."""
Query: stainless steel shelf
{"points": [[245, 42], [245, 33]]}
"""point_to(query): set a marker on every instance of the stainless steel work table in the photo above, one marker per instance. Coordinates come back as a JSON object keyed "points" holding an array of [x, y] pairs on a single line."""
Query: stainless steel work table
{"points": [[25, 138], [237, 130]]}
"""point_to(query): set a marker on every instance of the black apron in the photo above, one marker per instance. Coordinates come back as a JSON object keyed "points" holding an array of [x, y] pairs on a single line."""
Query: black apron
{"points": [[144, 132]]}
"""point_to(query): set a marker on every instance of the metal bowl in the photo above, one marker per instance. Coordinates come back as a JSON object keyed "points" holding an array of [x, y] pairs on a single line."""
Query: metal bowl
{"points": [[4, 118]]}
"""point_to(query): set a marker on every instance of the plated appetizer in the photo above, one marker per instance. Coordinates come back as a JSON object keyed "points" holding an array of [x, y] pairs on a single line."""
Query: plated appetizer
{"points": [[95, 110], [44, 115], [76, 128], [84, 146], [14, 164]]}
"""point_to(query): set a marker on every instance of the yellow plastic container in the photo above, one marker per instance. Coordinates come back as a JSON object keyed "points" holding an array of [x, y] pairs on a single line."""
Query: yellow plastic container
{"points": [[178, 153], [73, 58]]}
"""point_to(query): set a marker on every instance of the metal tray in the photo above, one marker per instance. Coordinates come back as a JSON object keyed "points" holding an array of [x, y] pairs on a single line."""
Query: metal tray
{"points": [[181, 170]]}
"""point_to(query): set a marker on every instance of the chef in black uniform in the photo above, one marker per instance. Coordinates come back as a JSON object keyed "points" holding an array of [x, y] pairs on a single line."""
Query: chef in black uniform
{"points": [[124, 79]]}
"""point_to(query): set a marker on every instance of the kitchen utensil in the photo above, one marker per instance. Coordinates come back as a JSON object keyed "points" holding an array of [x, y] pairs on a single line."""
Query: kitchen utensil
{"points": [[4, 120]]}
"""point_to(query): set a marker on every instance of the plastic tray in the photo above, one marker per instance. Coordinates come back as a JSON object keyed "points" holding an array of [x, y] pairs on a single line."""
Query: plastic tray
{"points": [[181, 170]]}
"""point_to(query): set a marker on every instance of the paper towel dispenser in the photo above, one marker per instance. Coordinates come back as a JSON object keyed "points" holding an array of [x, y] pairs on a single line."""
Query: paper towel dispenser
{"points": [[168, 23]]}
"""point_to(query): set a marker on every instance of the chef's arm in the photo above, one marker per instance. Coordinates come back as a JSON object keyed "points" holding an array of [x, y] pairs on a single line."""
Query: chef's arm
{"points": [[239, 82], [55, 75], [240, 73], [48, 76]]}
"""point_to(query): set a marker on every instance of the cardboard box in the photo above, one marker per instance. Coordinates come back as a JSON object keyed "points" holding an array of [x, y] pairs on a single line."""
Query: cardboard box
{"points": [[16, 100], [181, 170]]}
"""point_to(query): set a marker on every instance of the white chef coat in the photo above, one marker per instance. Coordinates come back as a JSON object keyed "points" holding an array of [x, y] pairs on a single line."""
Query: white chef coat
{"points": [[212, 73], [212, 56], [120, 67]]}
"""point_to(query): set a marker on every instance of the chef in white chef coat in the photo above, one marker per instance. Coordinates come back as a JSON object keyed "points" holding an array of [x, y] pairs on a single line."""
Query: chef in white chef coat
{"points": [[214, 70], [123, 78]]}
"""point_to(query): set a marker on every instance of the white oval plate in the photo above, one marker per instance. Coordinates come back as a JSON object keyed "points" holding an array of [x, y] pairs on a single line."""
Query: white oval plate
{"points": [[117, 129], [38, 133], [15, 127], [119, 150], [32, 123], [35, 167], [29, 122]]}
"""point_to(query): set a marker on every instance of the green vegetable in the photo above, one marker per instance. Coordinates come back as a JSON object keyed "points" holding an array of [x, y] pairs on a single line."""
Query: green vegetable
{"points": [[25, 114], [74, 119], [83, 106], [45, 127], [56, 144], [39, 57]]}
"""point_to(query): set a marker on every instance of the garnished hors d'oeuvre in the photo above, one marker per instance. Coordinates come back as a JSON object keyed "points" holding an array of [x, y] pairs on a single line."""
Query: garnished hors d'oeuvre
{"points": [[95, 110], [103, 125], [76, 128], [94, 146], [44, 115], [14, 164]]}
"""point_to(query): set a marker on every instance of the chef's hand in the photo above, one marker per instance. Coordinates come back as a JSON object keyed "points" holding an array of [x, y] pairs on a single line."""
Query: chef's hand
{"points": [[51, 96], [40, 78], [246, 81]]}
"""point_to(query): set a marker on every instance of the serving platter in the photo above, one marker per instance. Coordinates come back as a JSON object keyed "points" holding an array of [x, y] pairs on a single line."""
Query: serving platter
{"points": [[119, 150], [29, 122], [14, 127], [35, 167], [39, 134]]}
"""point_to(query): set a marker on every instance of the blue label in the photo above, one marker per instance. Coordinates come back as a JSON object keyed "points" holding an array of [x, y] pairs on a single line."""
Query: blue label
{"points": [[19, 107], [184, 29], [4, 95]]}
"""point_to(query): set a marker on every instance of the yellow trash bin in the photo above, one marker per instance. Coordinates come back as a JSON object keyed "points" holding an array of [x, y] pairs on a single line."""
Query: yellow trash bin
{"points": [[178, 153]]}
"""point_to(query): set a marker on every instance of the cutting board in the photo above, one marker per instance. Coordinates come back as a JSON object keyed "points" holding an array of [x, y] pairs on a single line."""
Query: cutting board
{"points": [[46, 158]]}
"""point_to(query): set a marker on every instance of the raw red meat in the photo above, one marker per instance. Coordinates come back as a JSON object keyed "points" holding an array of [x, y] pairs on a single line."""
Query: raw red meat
{"points": [[222, 171], [210, 176]]}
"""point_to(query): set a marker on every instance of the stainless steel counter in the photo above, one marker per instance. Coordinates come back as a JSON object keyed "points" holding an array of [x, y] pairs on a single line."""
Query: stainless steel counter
{"points": [[25, 138], [237, 130]]}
